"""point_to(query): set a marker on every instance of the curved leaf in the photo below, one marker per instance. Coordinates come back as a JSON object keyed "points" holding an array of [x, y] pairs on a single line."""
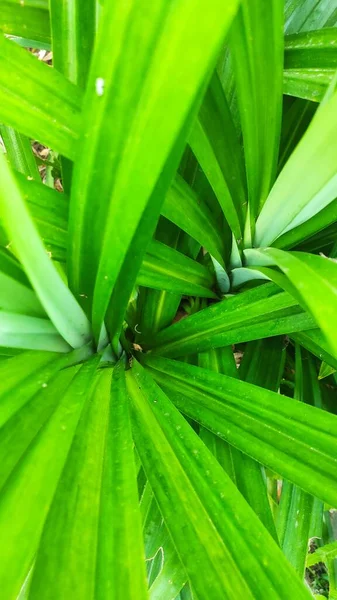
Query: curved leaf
{"points": [[56, 298], [315, 280], [311, 171]]}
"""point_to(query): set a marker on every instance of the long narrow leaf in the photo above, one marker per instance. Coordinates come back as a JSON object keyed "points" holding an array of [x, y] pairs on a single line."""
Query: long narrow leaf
{"points": [[311, 170], [73, 25], [257, 32], [55, 297], [315, 280], [127, 185], [218, 325], [165, 268], [198, 510], [25, 503], [295, 440]]}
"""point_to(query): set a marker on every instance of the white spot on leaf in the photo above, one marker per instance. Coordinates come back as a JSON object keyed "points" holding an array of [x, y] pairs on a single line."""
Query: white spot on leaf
{"points": [[99, 86]]}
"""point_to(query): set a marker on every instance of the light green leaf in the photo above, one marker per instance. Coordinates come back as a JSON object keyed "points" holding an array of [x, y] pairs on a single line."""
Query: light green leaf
{"points": [[326, 370], [26, 332], [16, 297], [52, 292], [311, 170], [294, 514], [318, 222], [315, 280], [120, 568], [25, 424], [25, 375], [26, 498], [322, 554], [298, 510]]}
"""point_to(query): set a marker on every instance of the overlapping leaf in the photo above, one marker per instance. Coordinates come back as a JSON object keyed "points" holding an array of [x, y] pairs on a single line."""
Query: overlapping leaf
{"points": [[199, 501]]}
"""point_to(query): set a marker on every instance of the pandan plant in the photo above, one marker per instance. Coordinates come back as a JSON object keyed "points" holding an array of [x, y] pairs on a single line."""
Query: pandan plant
{"points": [[168, 324]]}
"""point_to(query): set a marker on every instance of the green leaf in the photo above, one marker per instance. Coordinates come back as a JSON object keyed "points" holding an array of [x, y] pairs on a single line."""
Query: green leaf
{"points": [[49, 210], [230, 321], [25, 424], [23, 376], [198, 509], [311, 50], [124, 198], [28, 19], [297, 115], [161, 554], [263, 363], [26, 498], [52, 292], [294, 514], [16, 296], [257, 32], [164, 268], [73, 25], [19, 152], [314, 341], [315, 280], [132, 263], [172, 575], [292, 439], [120, 571], [318, 222], [311, 170], [85, 549], [21, 331], [157, 309], [322, 554], [38, 101], [215, 144], [298, 509], [245, 472], [304, 15], [326, 370], [183, 207], [309, 84]]}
